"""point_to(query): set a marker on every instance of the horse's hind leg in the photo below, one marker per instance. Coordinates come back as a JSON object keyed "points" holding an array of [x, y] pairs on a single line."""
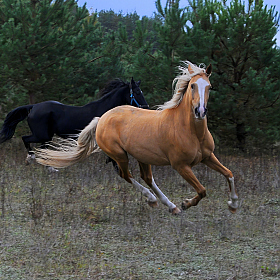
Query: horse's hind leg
{"points": [[30, 155], [122, 161], [27, 140], [27, 143], [214, 163], [146, 175]]}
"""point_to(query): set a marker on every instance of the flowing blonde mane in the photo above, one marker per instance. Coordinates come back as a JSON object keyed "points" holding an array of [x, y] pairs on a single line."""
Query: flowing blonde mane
{"points": [[181, 82]]}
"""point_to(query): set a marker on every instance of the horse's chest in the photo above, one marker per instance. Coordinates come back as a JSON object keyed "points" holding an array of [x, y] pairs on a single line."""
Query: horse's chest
{"points": [[191, 153]]}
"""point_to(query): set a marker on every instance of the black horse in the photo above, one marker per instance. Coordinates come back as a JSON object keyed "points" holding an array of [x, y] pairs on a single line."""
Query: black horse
{"points": [[51, 117]]}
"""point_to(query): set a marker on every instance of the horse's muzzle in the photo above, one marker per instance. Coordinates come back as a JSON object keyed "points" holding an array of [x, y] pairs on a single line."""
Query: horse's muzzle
{"points": [[200, 112]]}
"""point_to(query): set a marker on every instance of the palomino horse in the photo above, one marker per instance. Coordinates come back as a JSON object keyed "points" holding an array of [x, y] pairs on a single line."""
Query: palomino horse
{"points": [[175, 135]]}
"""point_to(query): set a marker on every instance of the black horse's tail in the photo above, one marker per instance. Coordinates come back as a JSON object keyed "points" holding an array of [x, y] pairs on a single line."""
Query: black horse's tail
{"points": [[13, 118]]}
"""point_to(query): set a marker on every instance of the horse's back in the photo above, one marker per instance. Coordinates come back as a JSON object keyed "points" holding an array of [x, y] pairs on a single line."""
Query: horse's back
{"points": [[42, 111], [42, 107], [56, 118], [133, 130], [123, 117]]}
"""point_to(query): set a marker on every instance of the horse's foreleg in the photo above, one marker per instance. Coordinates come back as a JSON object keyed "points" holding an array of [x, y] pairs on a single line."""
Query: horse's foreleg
{"points": [[214, 163], [146, 175], [187, 174]]}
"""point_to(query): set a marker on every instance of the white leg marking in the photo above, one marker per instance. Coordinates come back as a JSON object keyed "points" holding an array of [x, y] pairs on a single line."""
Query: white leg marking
{"points": [[163, 198], [233, 202], [144, 191], [30, 158], [52, 169]]}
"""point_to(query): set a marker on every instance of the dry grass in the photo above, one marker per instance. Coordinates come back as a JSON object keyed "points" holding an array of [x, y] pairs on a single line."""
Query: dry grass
{"points": [[86, 223]]}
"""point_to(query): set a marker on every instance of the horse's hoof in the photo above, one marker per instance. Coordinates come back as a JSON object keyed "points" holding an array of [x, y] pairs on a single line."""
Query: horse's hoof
{"points": [[175, 211], [153, 204], [186, 204], [231, 208]]}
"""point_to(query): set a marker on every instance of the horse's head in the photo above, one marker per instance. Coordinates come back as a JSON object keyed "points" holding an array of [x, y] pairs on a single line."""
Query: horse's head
{"points": [[200, 88], [136, 97]]}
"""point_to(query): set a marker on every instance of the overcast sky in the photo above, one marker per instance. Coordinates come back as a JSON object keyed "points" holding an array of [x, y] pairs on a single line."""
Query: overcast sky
{"points": [[146, 7]]}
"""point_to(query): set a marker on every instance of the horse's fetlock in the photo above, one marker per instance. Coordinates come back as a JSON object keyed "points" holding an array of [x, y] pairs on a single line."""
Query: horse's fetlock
{"points": [[202, 194]]}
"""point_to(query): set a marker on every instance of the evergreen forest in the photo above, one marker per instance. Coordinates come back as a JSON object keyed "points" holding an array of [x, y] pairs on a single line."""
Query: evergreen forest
{"points": [[56, 50]]}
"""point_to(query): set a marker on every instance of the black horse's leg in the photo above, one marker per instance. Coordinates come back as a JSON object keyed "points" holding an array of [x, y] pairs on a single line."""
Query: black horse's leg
{"points": [[27, 144], [30, 154], [115, 165], [27, 140]]}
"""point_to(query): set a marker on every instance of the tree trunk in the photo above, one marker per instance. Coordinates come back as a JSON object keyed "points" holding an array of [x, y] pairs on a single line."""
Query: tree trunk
{"points": [[241, 135], [31, 97]]}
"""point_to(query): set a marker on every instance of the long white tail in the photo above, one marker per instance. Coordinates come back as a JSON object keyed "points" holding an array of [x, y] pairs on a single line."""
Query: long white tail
{"points": [[70, 151]]}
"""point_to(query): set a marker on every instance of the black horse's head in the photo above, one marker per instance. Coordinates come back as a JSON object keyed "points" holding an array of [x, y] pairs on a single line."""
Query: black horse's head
{"points": [[136, 97]]}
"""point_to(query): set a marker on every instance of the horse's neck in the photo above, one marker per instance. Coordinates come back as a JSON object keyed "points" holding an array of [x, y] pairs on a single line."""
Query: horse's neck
{"points": [[112, 99], [200, 128], [115, 98]]}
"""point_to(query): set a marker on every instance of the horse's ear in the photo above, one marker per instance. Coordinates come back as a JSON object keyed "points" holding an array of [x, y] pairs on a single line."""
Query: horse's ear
{"points": [[190, 69], [209, 69], [132, 81], [138, 83]]}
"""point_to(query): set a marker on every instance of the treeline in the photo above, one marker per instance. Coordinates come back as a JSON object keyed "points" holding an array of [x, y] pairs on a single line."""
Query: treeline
{"points": [[57, 50]]}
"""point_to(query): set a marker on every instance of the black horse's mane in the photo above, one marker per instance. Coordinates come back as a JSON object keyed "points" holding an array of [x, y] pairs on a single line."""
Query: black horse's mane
{"points": [[114, 84]]}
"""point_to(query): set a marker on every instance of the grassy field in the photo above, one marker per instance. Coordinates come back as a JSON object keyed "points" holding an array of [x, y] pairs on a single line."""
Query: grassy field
{"points": [[84, 222]]}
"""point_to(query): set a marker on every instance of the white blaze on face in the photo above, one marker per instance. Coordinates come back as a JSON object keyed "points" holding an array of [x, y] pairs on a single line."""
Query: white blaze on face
{"points": [[201, 84]]}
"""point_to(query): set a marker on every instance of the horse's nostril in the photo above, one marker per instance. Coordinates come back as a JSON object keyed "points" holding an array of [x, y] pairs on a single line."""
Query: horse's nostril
{"points": [[200, 113], [205, 112]]}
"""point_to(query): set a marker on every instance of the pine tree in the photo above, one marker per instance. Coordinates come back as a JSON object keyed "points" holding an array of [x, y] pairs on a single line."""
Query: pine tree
{"points": [[51, 50], [240, 44], [245, 80], [158, 50]]}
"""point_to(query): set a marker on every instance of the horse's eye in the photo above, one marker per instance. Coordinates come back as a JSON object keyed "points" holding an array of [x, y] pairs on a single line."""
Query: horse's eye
{"points": [[192, 86]]}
